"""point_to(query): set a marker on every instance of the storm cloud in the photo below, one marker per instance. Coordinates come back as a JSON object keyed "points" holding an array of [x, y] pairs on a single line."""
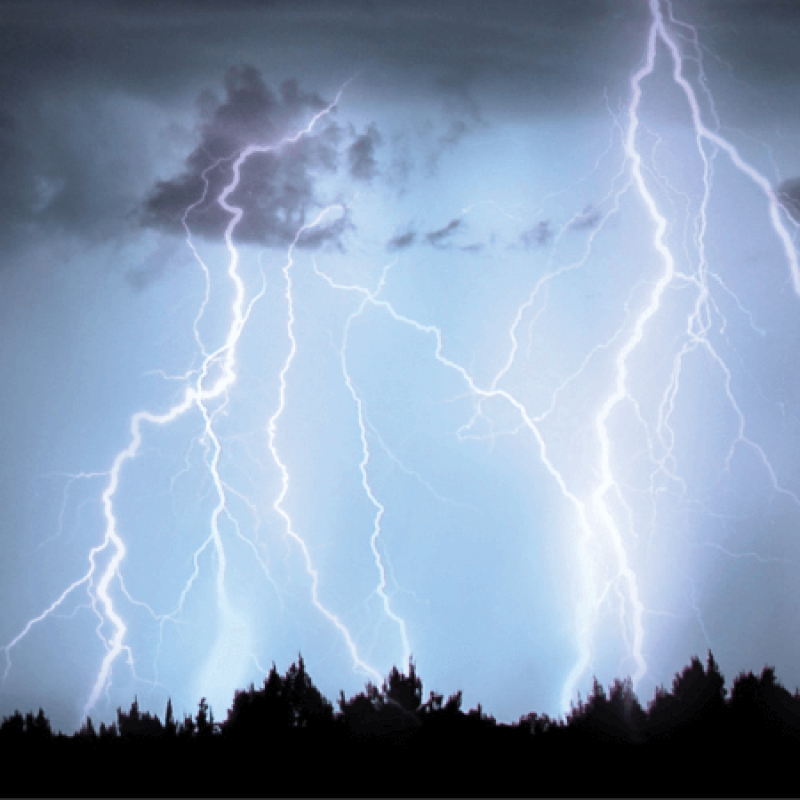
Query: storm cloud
{"points": [[70, 162], [278, 188]]}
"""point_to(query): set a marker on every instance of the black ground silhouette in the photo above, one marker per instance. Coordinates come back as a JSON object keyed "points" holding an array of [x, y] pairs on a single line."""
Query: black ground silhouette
{"points": [[285, 739]]}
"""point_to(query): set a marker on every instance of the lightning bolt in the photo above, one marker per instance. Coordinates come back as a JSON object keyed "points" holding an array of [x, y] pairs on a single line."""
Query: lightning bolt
{"points": [[380, 509], [698, 323], [598, 528], [209, 395]]}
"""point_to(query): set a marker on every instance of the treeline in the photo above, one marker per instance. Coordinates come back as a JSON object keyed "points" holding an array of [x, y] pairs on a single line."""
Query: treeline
{"points": [[284, 738]]}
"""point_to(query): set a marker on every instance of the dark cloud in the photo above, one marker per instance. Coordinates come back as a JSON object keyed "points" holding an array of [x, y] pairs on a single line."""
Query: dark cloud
{"points": [[401, 241], [540, 234], [61, 174], [446, 142], [277, 188], [402, 161], [140, 279], [439, 238], [789, 195], [530, 56], [462, 112], [586, 220], [425, 146], [154, 46], [473, 248], [165, 258], [361, 155]]}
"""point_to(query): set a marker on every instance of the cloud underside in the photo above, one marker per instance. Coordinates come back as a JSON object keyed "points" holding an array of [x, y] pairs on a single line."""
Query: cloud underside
{"points": [[278, 189]]}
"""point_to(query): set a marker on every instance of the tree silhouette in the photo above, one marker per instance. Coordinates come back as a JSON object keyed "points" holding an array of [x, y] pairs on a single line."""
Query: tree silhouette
{"points": [[203, 725], [361, 713], [13, 728], [534, 724], [395, 710], [187, 729], [288, 718], [87, 730], [629, 717], [292, 701], [694, 708], [170, 726], [762, 710], [273, 706], [616, 717], [402, 690], [308, 707], [259, 713], [37, 728], [135, 725]]}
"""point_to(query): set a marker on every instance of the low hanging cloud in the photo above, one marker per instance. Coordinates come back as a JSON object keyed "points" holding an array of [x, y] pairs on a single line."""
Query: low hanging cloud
{"points": [[277, 191], [154, 266], [446, 142], [540, 234], [402, 240], [440, 237], [586, 220], [361, 155]]}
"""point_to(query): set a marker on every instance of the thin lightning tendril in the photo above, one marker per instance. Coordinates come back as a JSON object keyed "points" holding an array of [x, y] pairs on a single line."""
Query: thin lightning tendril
{"points": [[278, 504]]}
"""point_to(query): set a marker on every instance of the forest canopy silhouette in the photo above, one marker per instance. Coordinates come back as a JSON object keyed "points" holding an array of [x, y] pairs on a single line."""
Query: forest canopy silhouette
{"points": [[694, 736]]}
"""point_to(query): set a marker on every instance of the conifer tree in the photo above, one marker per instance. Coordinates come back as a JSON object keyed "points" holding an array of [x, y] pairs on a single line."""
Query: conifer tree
{"points": [[170, 726]]}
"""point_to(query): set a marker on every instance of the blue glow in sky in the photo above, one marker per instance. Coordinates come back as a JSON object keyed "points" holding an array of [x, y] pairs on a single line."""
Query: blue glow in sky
{"points": [[375, 331]]}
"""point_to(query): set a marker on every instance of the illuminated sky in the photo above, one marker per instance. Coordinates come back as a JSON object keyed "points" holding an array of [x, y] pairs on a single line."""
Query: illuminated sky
{"points": [[492, 359]]}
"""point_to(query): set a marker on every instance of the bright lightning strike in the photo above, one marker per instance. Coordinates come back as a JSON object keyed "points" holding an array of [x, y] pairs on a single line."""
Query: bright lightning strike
{"points": [[200, 394], [698, 321]]}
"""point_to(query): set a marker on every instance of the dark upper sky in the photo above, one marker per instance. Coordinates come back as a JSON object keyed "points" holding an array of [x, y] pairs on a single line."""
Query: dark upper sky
{"points": [[70, 162]]}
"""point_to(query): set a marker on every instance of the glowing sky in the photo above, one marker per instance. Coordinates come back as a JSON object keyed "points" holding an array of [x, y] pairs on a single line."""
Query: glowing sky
{"points": [[492, 359]]}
